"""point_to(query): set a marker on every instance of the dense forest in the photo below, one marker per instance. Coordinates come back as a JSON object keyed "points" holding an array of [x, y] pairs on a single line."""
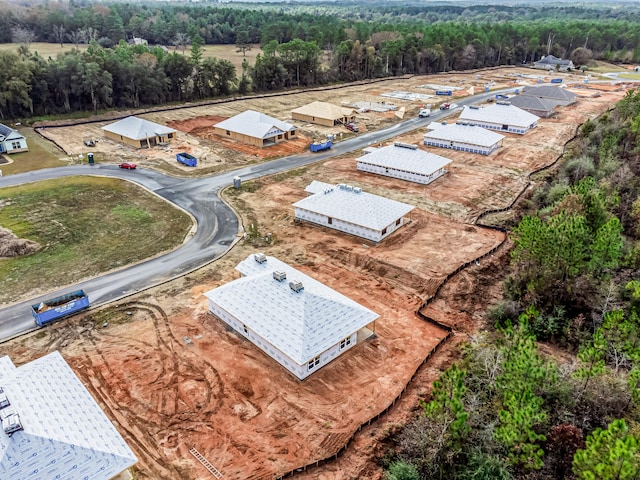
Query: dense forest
{"points": [[302, 45], [508, 411]]}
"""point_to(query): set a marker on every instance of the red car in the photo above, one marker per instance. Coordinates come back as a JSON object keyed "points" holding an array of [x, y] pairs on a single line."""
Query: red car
{"points": [[352, 126], [128, 165]]}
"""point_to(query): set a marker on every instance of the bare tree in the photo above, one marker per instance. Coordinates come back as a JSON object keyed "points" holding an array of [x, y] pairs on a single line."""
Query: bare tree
{"points": [[181, 40], [92, 34], [76, 37], [59, 34], [22, 36]]}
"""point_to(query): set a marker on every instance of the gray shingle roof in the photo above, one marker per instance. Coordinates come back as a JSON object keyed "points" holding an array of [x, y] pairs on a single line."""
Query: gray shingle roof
{"points": [[352, 205], [549, 91], [552, 60], [300, 324], [409, 160], [137, 128], [500, 112], [529, 102], [65, 433], [255, 124], [464, 133], [7, 133]]}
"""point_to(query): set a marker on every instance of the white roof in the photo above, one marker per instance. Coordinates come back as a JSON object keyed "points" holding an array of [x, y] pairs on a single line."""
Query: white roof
{"points": [[137, 128], [500, 112], [407, 159], [255, 124], [302, 325], [470, 134], [324, 110], [350, 204], [65, 433]]}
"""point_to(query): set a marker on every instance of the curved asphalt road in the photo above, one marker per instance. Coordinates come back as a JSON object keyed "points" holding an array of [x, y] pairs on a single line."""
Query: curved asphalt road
{"points": [[217, 224]]}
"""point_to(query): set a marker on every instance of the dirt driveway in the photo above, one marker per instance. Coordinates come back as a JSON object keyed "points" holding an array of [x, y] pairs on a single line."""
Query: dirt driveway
{"points": [[172, 377]]}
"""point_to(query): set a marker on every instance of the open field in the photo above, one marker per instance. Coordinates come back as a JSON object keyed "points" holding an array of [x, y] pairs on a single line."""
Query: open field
{"points": [[223, 52], [172, 377], [85, 226]]}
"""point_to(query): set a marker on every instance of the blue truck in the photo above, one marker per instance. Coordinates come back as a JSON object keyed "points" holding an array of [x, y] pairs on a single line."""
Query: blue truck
{"points": [[318, 147], [186, 159], [59, 307]]}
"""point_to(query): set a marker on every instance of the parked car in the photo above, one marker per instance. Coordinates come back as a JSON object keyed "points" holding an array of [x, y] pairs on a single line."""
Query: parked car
{"points": [[352, 126], [424, 112], [128, 165]]}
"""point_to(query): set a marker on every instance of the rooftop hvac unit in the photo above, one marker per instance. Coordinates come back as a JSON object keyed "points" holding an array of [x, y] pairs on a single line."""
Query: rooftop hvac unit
{"points": [[279, 276], [4, 401], [11, 423], [341, 186], [349, 188], [405, 145], [260, 257], [474, 107], [296, 286], [357, 190], [503, 103]]}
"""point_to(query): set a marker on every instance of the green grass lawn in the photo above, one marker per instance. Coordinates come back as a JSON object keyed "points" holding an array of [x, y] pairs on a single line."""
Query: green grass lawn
{"points": [[86, 226], [42, 154]]}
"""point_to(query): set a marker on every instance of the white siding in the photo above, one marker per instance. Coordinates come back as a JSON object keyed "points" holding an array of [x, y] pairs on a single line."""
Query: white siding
{"points": [[300, 371], [499, 126], [401, 174], [342, 226]]}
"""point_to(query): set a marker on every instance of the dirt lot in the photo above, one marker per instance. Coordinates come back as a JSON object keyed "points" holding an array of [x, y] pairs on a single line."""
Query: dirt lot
{"points": [[173, 378]]}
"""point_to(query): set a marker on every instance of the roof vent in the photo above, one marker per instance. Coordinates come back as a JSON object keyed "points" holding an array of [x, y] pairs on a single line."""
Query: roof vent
{"points": [[279, 276], [296, 286], [503, 103], [260, 257], [405, 145], [10, 421]]}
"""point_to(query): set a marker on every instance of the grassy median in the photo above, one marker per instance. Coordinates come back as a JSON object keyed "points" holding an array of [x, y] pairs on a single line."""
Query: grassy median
{"points": [[85, 227]]}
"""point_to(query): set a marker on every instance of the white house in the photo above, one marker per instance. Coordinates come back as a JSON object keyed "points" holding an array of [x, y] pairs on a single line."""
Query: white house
{"points": [[11, 141], [467, 138], [299, 322], [348, 209], [500, 116], [405, 162], [52, 426], [255, 128]]}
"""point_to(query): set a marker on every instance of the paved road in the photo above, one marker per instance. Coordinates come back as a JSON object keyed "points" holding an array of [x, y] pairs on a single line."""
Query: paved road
{"points": [[217, 225]]}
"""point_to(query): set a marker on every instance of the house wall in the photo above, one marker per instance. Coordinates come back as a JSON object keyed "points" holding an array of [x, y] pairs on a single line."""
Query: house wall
{"points": [[401, 174], [300, 371], [498, 126], [14, 146], [327, 122], [122, 139], [462, 146], [346, 227]]}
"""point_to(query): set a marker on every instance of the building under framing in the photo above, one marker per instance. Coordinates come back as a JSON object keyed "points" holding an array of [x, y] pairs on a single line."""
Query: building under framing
{"points": [[502, 116], [255, 128], [348, 209], [53, 428], [139, 133], [323, 113], [463, 137], [405, 162], [298, 321]]}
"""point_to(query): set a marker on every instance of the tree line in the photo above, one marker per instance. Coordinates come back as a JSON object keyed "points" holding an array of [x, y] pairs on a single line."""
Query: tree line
{"points": [[508, 411], [299, 49]]}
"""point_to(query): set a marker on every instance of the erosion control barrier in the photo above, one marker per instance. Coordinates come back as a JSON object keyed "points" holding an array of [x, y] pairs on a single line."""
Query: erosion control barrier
{"points": [[422, 316]]}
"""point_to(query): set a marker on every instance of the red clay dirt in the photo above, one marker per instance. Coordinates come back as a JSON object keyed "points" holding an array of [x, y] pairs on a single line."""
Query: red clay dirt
{"points": [[172, 377]]}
